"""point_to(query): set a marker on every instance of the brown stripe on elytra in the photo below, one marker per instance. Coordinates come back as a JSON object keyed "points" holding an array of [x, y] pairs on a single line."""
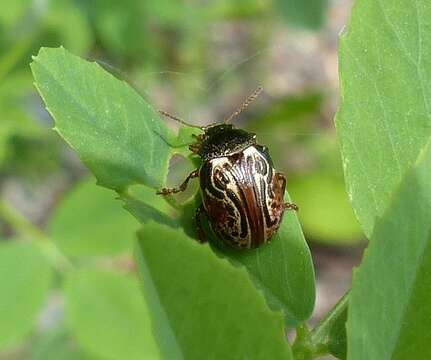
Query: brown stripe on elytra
{"points": [[244, 181], [239, 198], [269, 221], [260, 234], [237, 202], [261, 165]]}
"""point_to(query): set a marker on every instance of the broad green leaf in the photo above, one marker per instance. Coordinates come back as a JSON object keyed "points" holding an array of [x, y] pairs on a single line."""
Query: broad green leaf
{"points": [[389, 313], [384, 119], [25, 277], [90, 222], [116, 133], [107, 315], [282, 269], [325, 211], [58, 345], [308, 14], [201, 306]]}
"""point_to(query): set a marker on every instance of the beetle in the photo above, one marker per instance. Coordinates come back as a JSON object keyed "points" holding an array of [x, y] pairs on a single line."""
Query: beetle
{"points": [[242, 194]]}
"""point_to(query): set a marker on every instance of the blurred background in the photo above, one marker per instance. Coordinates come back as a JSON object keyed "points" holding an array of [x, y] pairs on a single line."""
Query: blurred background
{"points": [[198, 60]]}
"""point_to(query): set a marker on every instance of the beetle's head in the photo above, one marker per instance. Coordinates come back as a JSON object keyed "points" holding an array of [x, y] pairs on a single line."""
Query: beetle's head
{"points": [[224, 139]]}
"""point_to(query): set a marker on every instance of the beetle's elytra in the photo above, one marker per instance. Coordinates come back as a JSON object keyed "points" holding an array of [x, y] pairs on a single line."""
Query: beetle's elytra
{"points": [[242, 194]]}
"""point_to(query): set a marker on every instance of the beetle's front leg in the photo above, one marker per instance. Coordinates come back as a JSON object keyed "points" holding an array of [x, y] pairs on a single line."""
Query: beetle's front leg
{"points": [[201, 235], [182, 187]]}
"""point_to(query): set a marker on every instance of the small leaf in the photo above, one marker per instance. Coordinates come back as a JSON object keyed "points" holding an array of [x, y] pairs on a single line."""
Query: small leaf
{"points": [[389, 313], [25, 277], [384, 119], [201, 306], [116, 133], [90, 222], [108, 316]]}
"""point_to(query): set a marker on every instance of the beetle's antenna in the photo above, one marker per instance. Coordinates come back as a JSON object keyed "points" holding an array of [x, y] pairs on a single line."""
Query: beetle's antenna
{"points": [[172, 117], [245, 104]]}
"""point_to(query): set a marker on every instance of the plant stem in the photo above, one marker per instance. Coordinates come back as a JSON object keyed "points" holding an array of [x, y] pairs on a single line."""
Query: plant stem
{"points": [[321, 331], [30, 232], [310, 345], [302, 348], [19, 223]]}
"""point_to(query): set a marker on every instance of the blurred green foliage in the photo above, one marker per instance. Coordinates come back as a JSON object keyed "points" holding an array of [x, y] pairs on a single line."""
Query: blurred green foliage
{"points": [[101, 223], [308, 14], [26, 277], [184, 54]]}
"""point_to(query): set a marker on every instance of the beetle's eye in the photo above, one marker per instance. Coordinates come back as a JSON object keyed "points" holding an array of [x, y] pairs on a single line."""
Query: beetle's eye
{"points": [[220, 179]]}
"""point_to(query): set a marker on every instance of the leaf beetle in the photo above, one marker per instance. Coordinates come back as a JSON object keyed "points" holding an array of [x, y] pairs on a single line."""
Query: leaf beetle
{"points": [[242, 194]]}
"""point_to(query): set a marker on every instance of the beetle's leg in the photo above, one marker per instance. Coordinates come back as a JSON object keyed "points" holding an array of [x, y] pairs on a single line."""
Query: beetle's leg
{"points": [[290, 206], [182, 187], [201, 235], [194, 148], [282, 181]]}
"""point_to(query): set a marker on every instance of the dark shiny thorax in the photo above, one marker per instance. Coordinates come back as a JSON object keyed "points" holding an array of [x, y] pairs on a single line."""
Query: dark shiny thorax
{"points": [[222, 140]]}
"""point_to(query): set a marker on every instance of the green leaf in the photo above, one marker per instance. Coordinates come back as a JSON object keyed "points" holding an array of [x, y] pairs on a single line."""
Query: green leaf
{"points": [[308, 14], [25, 277], [116, 133], [201, 306], [90, 222], [108, 316], [389, 313], [325, 211], [283, 269], [384, 119]]}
